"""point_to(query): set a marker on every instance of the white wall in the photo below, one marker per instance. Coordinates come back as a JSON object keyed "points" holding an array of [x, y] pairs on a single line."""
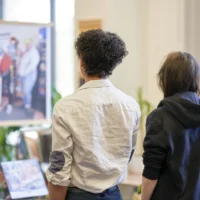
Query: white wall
{"points": [[150, 28], [65, 82]]}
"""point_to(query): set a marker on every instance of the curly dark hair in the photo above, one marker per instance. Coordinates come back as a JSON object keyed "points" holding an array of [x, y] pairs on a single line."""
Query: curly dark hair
{"points": [[100, 52]]}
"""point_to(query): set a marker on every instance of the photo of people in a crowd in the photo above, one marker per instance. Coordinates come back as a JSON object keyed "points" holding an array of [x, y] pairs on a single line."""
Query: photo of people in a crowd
{"points": [[24, 70]]}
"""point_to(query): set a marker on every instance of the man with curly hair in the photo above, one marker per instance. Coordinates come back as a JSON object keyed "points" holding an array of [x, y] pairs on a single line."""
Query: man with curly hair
{"points": [[94, 129]]}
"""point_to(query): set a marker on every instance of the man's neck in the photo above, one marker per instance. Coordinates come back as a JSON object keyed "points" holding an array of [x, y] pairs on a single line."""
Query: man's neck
{"points": [[93, 78]]}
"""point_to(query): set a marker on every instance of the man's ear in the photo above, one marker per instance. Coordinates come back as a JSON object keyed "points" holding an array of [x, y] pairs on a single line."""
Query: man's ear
{"points": [[81, 63], [82, 67]]}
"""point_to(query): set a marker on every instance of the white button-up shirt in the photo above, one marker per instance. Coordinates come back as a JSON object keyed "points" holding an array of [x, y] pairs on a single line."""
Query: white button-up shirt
{"points": [[94, 132]]}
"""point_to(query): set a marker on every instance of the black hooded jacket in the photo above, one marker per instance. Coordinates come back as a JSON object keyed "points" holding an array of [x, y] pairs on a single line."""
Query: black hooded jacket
{"points": [[172, 148]]}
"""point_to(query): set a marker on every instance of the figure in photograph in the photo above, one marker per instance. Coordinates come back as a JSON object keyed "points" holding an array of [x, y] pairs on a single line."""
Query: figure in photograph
{"points": [[13, 49], [15, 53], [5, 72], [28, 71]]}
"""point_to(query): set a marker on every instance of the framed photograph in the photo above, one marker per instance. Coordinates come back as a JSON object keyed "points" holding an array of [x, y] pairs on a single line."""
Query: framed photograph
{"points": [[25, 86]]}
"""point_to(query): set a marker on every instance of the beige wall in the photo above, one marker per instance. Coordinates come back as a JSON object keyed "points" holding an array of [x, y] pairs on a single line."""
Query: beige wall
{"points": [[128, 19], [165, 33], [122, 18], [64, 30], [151, 29]]}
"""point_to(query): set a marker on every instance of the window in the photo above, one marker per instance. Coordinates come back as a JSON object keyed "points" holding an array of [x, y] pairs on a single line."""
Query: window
{"points": [[27, 11]]}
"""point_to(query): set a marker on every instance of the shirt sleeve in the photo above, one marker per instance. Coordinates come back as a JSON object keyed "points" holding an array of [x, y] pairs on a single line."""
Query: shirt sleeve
{"points": [[59, 171], [135, 132], [155, 150]]}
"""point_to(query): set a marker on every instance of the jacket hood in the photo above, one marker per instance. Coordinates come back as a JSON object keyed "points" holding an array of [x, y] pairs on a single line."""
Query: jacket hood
{"points": [[184, 107]]}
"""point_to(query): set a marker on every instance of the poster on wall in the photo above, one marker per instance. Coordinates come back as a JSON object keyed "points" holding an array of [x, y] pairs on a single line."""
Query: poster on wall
{"points": [[25, 87], [85, 25]]}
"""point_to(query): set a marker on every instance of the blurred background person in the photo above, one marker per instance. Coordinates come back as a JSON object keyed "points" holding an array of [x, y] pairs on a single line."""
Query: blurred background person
{"points": [[28, 71], [171, 146]]}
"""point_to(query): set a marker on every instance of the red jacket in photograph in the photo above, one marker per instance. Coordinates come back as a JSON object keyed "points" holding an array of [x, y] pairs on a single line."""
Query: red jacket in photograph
{"points": [[5, 63]]}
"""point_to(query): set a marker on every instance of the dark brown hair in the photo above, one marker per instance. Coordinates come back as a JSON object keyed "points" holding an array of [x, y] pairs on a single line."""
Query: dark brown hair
{"points": [[100, 52], [180, 72]]}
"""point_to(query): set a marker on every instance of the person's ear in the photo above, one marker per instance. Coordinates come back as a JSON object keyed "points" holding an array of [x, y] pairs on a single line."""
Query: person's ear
{"points": [[82, 68], [81, 63]]}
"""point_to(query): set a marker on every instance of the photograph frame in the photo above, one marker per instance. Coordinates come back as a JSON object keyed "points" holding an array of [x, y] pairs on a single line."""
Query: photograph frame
{"points": [[48, 105]]}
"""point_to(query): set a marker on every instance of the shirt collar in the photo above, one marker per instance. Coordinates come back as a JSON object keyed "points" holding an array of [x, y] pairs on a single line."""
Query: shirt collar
{"points": [[96, 84]]}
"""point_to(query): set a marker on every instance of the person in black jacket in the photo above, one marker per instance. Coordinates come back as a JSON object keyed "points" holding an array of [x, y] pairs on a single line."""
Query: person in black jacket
{"points": [[172, 143]]}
